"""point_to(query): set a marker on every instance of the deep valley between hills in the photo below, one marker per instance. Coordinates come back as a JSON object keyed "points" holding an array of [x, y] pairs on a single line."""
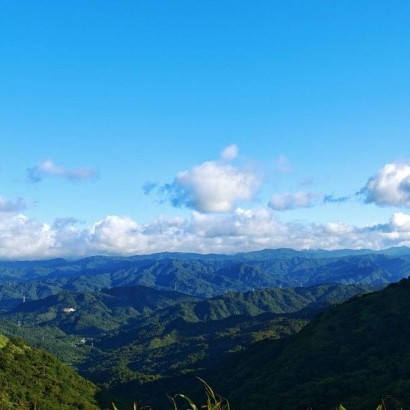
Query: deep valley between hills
{"points": [[274, 329]]}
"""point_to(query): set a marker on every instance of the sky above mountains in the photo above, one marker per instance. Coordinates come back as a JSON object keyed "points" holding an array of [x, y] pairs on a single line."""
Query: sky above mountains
{"points": [[210, 126]]}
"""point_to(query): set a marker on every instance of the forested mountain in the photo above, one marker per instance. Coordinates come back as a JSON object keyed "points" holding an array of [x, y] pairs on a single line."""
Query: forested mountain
{"points": [[201, 275], [137, 333], [89, 313], [142, 326], [31, 378], [353, 354]]}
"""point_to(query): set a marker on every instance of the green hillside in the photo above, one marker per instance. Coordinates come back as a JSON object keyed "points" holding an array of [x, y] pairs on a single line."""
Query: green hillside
{"points": [[92, 313], [140, 343], [188, 337], [31, 378], [138, 334], [353, 354]]}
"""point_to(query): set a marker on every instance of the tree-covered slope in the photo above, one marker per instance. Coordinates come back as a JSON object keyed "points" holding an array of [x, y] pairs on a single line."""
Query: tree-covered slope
{"points": [[353, 354], [31, 378], [141, 334], [188, 337], [91, 313]]}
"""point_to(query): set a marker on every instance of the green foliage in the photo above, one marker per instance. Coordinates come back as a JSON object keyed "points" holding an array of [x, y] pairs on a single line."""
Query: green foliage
{"points": [[350, 354], [213, 401], [30, 378], [191, 335], [137, 335]]}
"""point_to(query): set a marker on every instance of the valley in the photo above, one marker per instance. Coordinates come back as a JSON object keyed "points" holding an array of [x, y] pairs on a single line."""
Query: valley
{"points": [[140, 339]]}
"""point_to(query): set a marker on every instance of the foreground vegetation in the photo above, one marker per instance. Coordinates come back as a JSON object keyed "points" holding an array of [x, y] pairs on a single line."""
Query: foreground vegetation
{"points": [[213, 401], [33, 379], [216, 402], [351, 354]]}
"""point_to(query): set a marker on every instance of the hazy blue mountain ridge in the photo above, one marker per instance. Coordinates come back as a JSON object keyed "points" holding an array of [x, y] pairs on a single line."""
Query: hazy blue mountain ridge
{"points": [[201, 275]]}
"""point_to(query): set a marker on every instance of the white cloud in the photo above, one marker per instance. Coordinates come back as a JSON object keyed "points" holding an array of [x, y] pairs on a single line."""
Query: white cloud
{"points": [[400, 221], [49, 168], [21, 238], [241, 230], [390, 186], [213, 186], [287, 201], [229, 153], [115, 235]]}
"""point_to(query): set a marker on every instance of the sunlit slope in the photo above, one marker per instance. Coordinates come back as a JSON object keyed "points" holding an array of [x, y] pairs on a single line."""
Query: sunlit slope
{"points": [[31, 378]]}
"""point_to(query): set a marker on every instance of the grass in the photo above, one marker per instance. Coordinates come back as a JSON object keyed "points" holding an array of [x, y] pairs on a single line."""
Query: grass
{"points": [[213, 401], [216, 402]]}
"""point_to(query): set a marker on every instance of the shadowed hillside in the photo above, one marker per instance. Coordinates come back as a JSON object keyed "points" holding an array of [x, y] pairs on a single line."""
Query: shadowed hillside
{"points": [[353, 354]]}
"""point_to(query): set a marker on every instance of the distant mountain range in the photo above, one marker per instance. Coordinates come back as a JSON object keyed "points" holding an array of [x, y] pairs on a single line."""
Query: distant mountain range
{"points": [[199, 275]]}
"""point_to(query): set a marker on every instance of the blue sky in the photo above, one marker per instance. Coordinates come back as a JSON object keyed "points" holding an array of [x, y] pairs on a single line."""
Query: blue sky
{"points": [[208, 126]]}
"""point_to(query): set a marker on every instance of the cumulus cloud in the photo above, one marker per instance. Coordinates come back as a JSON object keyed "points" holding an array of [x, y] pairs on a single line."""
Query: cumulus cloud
{"points": [[213, 186], [242, 230], [389, 187], [115, 233], [48, 168], [287, 201], [22, 237], [400, 222]]}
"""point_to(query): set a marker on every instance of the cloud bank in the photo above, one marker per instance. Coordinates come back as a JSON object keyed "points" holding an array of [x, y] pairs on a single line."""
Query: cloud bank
{"points": [[242, 230], [48, 168]]}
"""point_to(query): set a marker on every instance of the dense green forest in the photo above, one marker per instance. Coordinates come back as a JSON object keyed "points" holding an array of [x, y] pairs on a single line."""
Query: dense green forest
{"points": [[31, 378], [118, 335], [280, 346], [355, 353]]}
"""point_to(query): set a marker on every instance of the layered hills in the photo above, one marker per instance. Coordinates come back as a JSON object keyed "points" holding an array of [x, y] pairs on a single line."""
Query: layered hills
{"points": [[355, 353], [262, 322], [198, 275], [119, 335]]}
